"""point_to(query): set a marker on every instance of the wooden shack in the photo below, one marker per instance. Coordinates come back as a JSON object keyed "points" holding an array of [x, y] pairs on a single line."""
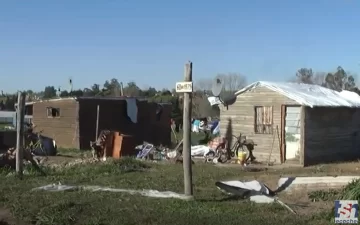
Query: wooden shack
{"points": [[295, 123], [72, 121]]}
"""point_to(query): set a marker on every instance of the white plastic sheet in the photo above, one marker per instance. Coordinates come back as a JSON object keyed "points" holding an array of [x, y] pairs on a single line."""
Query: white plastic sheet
{"points": [[147, 193], [214, 100], [308, 95], [200, 150]]}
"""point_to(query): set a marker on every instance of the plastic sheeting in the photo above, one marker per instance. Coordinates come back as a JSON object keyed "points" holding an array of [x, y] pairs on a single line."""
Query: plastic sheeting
{"points": [[200, 150], [214, 100], [307, 94], [147, 193]]}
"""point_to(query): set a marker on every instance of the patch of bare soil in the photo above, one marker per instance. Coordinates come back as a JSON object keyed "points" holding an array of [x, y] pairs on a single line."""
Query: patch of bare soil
{"points": [[299, 201], [6, 218]]}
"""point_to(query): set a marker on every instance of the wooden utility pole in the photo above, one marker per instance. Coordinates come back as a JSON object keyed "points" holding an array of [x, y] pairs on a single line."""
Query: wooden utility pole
{"points": [[187, 163], [20, 114]]}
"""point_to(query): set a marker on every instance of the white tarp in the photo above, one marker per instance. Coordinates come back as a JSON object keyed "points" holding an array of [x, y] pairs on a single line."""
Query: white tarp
{"points": [[147, 193], [307, 94], [200, 150], [214, 100]]}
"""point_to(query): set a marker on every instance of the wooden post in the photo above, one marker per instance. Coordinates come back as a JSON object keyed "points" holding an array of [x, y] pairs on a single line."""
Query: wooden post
{"points": [[20, 114], [97, 122], [188, 187]]}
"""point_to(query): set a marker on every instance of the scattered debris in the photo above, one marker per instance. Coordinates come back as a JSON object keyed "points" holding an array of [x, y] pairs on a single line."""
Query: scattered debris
{"points": [[147, 193], [252, 190], [98, 147], [144, 150], [8, 159], [201, 150]]}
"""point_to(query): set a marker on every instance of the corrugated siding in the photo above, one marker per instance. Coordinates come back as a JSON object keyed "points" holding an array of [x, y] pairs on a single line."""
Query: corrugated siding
{"points": [[331, 134], [242, 117]]}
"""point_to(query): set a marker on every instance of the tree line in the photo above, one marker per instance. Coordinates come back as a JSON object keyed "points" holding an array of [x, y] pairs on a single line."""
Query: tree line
{"points": [[337, 80]]}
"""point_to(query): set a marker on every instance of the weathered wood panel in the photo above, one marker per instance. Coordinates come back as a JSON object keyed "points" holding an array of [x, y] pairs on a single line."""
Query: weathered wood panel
{"points": [[64, 128], [113, 116], [240, 118], [331, 134]]}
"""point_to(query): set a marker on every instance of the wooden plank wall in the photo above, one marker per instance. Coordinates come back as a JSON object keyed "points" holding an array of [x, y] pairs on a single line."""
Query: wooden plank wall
{"points": [[242, 117], [62, 129], [331, 134], [113, 116]]}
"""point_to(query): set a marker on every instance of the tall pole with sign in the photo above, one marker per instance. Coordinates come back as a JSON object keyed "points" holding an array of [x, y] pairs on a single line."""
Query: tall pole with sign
{"points": [[186, 87]]}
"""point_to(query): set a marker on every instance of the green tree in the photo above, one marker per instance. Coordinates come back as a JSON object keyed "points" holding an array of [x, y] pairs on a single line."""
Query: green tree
{"points": [[150, 92], [111, 88], [49, 92], [64, 94], [10, 102], [305, 76], [339, 80], [132, 90]]}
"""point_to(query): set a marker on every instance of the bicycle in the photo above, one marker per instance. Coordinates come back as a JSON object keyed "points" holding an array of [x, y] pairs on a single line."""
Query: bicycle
{"points": [[224, 152]]}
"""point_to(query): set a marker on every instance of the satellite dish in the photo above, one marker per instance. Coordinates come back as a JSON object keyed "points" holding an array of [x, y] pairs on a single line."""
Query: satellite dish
{"points": [[229, 100], [217, 87]]}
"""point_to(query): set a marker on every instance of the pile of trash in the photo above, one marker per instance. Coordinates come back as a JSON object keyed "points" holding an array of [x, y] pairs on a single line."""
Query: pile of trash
{"points": [[148, 151], [8, 159]]}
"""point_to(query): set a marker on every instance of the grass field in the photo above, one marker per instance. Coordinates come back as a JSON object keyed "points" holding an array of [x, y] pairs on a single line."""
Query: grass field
{"points": [[96, 208], [4, 125], [19, 205]]}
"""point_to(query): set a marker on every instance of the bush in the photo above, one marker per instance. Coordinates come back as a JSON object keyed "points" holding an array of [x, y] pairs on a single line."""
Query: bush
{"points": [[351, 191]]}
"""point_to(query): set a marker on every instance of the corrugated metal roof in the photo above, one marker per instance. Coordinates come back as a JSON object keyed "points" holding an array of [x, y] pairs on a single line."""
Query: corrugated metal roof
{"points": [[307, 94]]}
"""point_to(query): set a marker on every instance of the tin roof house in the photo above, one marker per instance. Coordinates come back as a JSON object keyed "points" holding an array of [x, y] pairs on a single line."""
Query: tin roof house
{"points": [[296, 123]]}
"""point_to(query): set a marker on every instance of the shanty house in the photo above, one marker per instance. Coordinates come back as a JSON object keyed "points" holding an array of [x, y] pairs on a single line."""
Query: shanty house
{"points": [[295, 123], [72, 122]]}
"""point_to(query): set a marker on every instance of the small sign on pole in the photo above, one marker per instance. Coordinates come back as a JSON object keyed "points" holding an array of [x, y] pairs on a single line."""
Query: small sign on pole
{"points": [[184, 87]]}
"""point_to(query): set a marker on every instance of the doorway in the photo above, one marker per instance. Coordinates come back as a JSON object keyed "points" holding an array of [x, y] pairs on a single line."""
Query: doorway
{"points": [[291, 116]]}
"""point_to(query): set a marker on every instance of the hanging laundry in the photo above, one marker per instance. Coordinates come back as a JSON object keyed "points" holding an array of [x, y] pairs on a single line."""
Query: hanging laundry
{"points": [[195, 126]]}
